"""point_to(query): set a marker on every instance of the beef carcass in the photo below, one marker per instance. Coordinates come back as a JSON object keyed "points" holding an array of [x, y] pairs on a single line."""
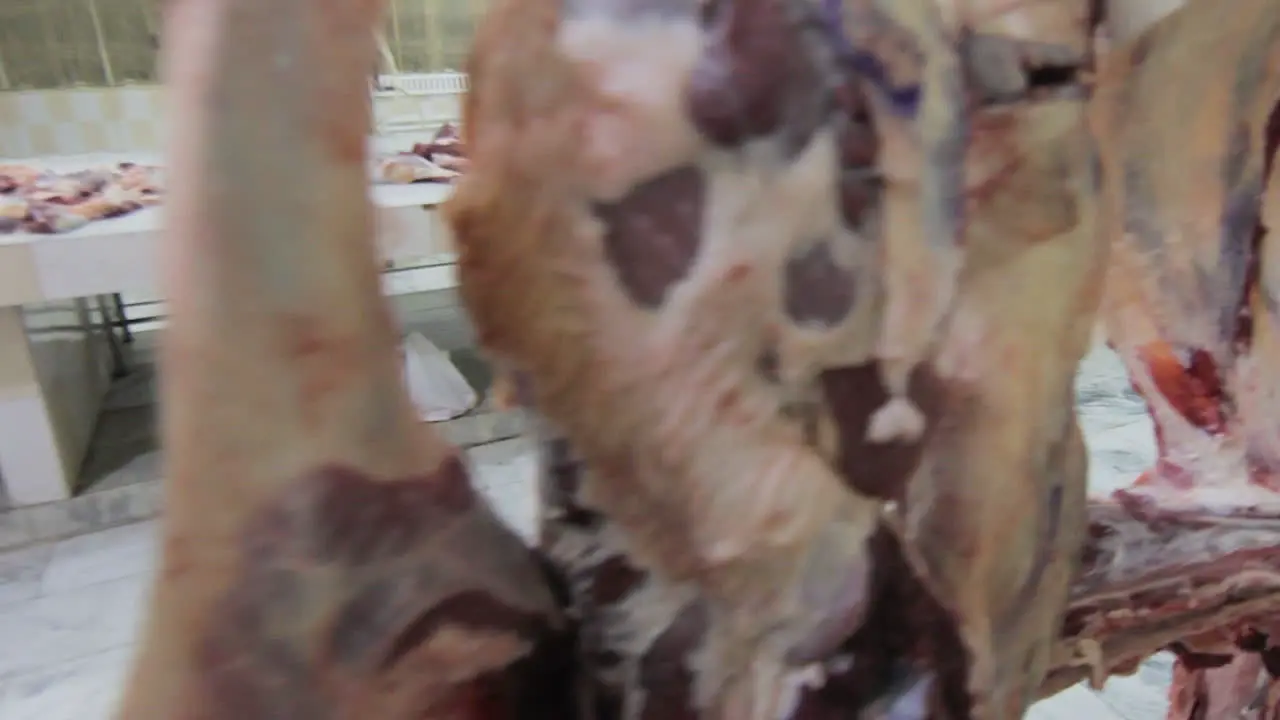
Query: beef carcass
{"points": [[796, 291], [1188, 120], [766, 216]]}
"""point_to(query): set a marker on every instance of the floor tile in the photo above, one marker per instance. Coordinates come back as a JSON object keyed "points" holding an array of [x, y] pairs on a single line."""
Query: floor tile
{"points": [[118, 466], [511, 488], [1145, 694], [517, 506], [137, 389], [503, 451], [62, 627], [1075, 703], [87, 688], [21, 572], [126, 551]]}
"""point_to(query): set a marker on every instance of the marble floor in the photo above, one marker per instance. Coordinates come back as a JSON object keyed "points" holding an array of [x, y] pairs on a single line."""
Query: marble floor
{"points": [[69, 611]]}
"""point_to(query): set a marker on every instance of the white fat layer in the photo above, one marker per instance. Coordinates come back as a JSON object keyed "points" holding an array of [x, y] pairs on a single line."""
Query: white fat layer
{"points": [[637, 126]]}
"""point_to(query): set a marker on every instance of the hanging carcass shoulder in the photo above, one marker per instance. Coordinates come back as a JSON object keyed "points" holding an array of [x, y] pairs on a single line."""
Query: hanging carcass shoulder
{"points": [[1002, 343], [640, 287]]}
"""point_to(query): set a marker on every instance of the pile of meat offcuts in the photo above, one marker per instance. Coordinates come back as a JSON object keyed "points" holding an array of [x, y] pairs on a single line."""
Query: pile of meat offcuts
{"points": [[443, 159], [795, 293], [40, 201]]}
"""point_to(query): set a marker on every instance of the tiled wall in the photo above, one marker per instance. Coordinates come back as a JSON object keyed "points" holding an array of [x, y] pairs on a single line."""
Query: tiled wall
{"points": [[131, 119], [81, 120]]}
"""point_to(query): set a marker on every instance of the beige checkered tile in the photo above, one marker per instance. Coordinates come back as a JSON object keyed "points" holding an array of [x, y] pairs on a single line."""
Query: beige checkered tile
{"points": [[81, 120], [58, 105], [33, 107], [141, 135], [141, 118], [131, 118], [37, 139], [69, 138]]}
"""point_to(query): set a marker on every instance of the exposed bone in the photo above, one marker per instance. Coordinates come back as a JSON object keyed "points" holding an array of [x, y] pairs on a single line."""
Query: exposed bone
{"points": [[1150, 581]]}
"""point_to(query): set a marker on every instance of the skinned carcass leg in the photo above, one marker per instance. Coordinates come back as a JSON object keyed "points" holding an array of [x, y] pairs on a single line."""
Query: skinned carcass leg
{"points": [[324, 554], [676, 229], [1189, 557]]}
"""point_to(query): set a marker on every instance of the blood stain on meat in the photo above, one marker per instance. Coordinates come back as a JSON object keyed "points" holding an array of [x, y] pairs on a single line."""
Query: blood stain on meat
{"points": [[652, 234], [818, 290]]}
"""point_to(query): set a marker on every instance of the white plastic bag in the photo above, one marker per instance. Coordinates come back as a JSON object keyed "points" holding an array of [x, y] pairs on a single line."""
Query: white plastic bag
{"points": [[438, 390]]}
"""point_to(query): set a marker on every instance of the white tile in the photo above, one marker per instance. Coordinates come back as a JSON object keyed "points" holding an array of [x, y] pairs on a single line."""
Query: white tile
{"points": [[87, 105], [1075, 703], [421, 280], [140, 103], [59, 628], [33, 108], [506, 474], [1145, 694], [116, 135], [123, 552], [492, 456], [70, 138], [519, 472], [15, 142], [20, 573], [516, 504], [84, 689]]}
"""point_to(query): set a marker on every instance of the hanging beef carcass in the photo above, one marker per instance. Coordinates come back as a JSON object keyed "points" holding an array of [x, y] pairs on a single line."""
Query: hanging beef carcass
{"points": [[1188, 120], [753, 239], [796, 291]]}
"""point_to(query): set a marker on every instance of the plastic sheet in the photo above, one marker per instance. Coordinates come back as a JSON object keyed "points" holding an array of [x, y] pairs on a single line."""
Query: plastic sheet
{"points": [[437, 388]]}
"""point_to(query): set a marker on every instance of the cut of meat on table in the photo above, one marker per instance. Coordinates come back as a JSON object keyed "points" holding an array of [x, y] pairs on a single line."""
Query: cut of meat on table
{"points": [[445, 149], [40, 201], [406, 168], [442, 159]]}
